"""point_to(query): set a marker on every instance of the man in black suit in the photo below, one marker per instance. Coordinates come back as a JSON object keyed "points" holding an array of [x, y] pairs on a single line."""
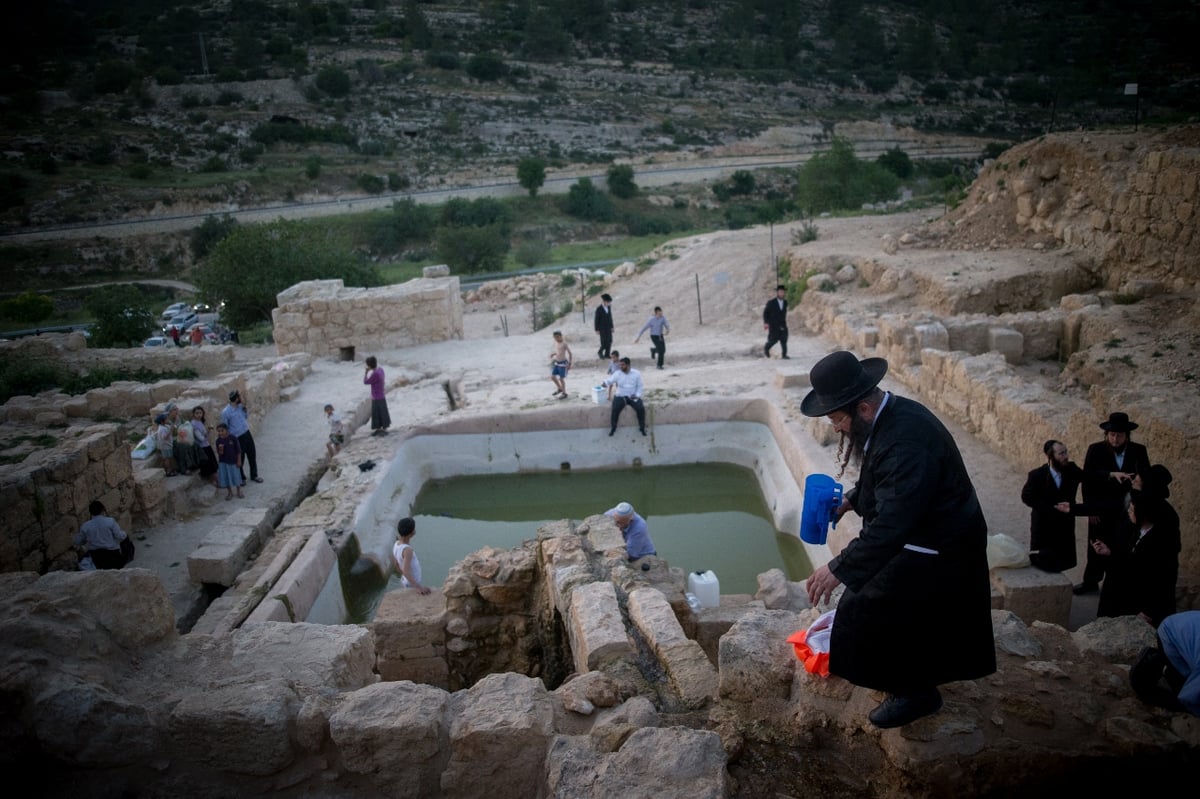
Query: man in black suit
{"points": [[603, 324], [1050, 492], [1109, 469], [775, 321]]}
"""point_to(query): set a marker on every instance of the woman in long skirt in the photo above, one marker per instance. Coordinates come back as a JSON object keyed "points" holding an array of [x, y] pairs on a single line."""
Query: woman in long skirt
{"points": [[374, 377]]}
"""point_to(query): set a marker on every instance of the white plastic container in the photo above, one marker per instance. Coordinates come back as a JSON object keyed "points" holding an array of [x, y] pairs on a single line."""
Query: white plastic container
{"points": [[706, 587], [598, 394]]}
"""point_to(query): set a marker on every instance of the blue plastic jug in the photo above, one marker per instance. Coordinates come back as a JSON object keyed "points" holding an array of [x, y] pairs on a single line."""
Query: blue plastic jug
{"points": [[822, 497]]}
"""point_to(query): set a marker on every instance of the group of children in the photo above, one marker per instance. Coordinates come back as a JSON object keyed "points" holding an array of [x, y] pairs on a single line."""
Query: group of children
{"points": [[184, 446]]}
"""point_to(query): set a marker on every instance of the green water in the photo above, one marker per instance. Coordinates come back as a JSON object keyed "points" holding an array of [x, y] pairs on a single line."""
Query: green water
{"points": [[700, 516]]}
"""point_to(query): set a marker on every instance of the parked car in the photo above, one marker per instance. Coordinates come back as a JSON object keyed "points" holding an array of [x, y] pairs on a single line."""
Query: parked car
{"points": [[157, 341], [202, 307], [206, 331], [183, 321], [175, 309]]}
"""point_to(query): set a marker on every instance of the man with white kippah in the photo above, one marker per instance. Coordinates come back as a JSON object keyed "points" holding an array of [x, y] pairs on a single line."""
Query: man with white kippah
{"points": [[633, 531]]}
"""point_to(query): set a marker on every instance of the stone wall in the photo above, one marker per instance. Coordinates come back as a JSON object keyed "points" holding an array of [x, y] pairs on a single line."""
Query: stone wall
{"points": [[45, 496], [45, 502], [980, 388], [323, 317]]}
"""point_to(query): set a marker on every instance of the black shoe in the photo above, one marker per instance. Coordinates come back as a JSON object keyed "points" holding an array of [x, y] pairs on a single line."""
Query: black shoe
{"points": [[643, 430], [653, 354], [256, 479], [896, 711], [660, 367], [1085, 588], [786, 358], [613, 431]]}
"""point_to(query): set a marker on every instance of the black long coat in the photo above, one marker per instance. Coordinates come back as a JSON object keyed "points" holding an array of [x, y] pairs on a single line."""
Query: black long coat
{"points": [[1102, 493], [909, 619], [1143, 570], [1052, 532]]}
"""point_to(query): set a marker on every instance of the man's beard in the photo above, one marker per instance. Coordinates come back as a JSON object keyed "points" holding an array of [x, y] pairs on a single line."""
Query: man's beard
{"points": [[853, 445]]}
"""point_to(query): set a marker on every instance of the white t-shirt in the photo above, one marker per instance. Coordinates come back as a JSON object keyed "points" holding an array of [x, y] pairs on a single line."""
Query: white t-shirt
{"points": [[415, 566]]}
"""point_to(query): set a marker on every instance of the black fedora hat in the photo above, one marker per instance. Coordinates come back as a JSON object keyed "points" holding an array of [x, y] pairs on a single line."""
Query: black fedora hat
{"points": [[1118, 423], [839, 379]]}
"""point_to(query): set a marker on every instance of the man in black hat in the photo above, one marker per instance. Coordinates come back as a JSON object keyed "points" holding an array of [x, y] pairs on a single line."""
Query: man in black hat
{"points": [[1109, 469], [775, 321], [916, 611], [603, 324]]}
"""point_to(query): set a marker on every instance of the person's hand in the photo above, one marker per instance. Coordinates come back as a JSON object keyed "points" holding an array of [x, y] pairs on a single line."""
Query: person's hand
{"points": [[1101, 548], [820, 585], [424, 590], [842, 510], [1063, 507]]}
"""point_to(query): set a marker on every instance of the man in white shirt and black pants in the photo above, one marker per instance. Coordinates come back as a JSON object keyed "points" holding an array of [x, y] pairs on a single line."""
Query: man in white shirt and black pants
{"points": [[625, 388]]}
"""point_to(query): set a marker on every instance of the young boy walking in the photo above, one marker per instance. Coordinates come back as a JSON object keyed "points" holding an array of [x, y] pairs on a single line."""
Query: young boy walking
{"points": [[560, 364]]}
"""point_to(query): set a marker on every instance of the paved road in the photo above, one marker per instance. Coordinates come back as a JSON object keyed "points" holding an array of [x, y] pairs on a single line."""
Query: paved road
{"points": [[646, 177]]}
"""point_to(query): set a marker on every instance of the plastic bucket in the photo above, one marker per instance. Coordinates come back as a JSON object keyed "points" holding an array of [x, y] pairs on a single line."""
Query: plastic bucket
{"points": [[598, 393], [822, 496]]}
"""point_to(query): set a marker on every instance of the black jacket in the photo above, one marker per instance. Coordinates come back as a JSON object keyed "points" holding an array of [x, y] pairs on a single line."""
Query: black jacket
{"points": [[910, 619], [773, 316], [1104, 494], [602, 320], [1052, 532]]}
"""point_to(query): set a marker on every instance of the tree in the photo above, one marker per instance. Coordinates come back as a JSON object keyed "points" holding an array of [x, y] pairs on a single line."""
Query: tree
{"points": [[897, 162], [28, 307], [472, 250], [255, 262], [412, 222], [209, 234], [620, 181], [586, 201], [531, 174], [838, 180], [122, 316]]}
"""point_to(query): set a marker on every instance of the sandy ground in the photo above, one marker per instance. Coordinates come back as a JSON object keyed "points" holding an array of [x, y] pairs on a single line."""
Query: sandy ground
{"points": [[712, 289]]}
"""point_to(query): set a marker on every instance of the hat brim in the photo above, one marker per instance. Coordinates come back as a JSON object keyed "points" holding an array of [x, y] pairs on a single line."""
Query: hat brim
{"points": [[1108, 427], [816, 404]]}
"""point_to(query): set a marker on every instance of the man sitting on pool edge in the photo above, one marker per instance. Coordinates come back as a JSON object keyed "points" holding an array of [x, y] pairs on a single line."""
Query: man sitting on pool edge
{"points": [[633, 531]]}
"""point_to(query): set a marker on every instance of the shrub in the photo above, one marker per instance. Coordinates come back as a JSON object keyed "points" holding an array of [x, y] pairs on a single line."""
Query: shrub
{"points": [[167, 75], [620, 181], [28, 308], [472, 250], [585, 201], [897, 162], [312, 167], [486, 67], [411, 221], [531, 252], [113, 77], [334, 81], [372, 184], [442, 59]]}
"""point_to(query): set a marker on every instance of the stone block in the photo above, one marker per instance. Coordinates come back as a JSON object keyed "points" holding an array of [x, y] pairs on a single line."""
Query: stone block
{"points": [[243, 729], [395, 733], [223, 554], [597, 630], [1008, 342], [792, 378], [691, 674], [410, 637], [293, 596], [932, 335], [1034, 595]]}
